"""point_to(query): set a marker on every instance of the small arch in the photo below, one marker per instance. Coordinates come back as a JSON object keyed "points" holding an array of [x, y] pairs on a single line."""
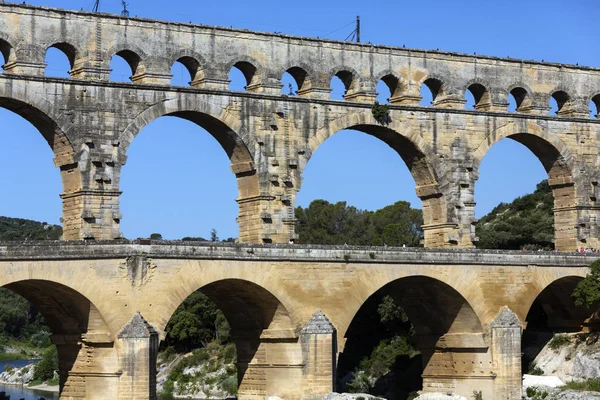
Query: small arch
{"points": [[559, 101], [342, 82], [7, 53], [249, 72], [299, 78], [431, 89], [289, 85], [192, 66], [518, 99], [481, 96], [595, 106], [388, 87], [119, 69], [60, 59]]}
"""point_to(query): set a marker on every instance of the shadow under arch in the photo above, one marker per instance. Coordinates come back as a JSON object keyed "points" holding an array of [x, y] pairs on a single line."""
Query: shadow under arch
{"points": [[417, 155], [257, 319], [559, 165], [73, 320], [237, 144], [433, 308], [553, 311]]}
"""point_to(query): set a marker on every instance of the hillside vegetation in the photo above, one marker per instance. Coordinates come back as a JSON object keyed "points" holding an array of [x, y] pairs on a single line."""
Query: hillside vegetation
{"points": [[526, 222], [26, 229]]}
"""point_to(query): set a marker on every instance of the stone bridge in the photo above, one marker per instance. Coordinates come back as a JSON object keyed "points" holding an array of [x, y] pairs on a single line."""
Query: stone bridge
{"points": [[90, 122], [290, 308]]}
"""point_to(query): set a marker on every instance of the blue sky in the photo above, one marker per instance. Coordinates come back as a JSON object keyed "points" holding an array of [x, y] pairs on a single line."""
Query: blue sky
{"points": [[184, 187]]}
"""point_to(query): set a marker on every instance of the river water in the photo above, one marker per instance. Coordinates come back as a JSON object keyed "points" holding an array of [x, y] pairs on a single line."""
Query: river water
{"points": [[20, 392]]}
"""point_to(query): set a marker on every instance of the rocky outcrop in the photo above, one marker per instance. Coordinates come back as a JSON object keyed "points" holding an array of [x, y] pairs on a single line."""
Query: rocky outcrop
{"points": [[17, 376], [439, 396], [570, 357]]}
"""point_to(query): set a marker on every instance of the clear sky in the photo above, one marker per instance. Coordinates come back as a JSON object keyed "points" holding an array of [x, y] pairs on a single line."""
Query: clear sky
{"points": [[184, 187]]}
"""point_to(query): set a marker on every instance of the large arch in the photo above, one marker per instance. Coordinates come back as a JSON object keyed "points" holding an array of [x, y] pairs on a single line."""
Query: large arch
{"points": [[79, 331], [418, 156], [226, 128], [559, 164], [261, 327], [53, 127], [444, 329]]}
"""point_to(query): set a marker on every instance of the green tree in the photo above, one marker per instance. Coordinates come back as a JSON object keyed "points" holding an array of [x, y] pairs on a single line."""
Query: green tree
{"points": [[213, 235], [587, 291], [195, 322], [45, 368], [156, 236]]}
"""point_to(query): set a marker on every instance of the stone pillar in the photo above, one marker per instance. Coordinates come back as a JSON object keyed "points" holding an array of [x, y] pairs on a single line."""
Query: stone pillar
{"points": [[505, 337], [269, 366], [319, 349], [87, 366], [91, 214], [137, 345]]}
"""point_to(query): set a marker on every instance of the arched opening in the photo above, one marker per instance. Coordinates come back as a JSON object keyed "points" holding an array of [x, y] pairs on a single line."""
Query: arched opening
{"points": [[346, 172], [186, 70], [243, 76], [477, 97], [402, 334], [295, 80], [430, 90], [551, 320], [27, 169], [5, 53], [125, 65], [532, 185], [60, 60], [595, 106], [388, 88], [341, 83], [227, 325], [53, 319], [182, 172], [518, 99], [289, 86], [559, 102]]}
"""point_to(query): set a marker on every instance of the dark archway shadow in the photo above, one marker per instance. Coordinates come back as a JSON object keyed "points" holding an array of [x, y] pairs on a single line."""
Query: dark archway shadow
{"points": [[432, 309], [69, 315], [553, 311], [255, 317]]}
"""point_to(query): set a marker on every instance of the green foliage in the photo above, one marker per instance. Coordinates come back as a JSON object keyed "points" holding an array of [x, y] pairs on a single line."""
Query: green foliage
{"points": [[381, 113], [156, 236], [558, 341], [477, 395], [45, 368], [385, 354], [535, 393], [25, 229], [195, 322], [361, 383], [587, 291], [527, 222], [390, 312], [535, 370], [335, 224], [592, 385]]}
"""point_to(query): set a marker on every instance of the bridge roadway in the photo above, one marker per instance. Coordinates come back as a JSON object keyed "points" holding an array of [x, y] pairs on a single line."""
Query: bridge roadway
{"points": [[290, 308]]}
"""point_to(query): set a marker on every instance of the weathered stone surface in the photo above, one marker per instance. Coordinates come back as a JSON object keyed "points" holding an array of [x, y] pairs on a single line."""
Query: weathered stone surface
{"points": [[269, 293], [270, 137]]}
